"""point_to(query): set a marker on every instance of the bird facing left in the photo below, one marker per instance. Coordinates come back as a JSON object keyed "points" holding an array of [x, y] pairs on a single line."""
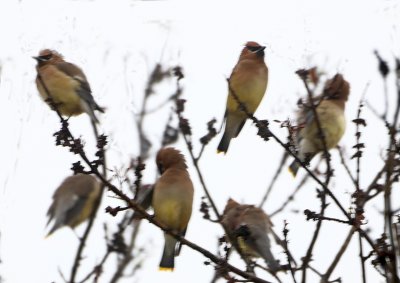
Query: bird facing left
{"points": [[73, 201], [66, 84]]}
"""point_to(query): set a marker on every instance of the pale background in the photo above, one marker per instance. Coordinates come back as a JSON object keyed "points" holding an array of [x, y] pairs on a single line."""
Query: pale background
{"points": [[117, 43]]}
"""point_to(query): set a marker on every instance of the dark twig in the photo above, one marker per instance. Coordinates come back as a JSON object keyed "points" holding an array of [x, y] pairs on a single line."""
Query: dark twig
{"points": [[78, 256], [346, 167], [265, 133], [127, 255], [311, 215], [331, 268], [358, 146], [272, 183], [303, 74], [384, 71], [308, 257], [288, 255], [186, 133], [292, 195], [362, 260], [78, 148], [151, 219]]}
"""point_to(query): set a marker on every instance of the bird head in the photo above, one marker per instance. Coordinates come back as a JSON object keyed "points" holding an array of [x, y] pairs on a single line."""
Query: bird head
{"points": [[337, 88], [231, 204], [252, 50], [48, 56], [170, 157]]}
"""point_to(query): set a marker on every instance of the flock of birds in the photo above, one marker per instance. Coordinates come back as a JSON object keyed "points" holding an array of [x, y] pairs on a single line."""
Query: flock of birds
{"points": [[247, 226]]}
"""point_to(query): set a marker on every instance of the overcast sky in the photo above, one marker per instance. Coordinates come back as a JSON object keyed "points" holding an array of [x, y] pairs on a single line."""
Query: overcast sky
{"points": [[117, 43]]}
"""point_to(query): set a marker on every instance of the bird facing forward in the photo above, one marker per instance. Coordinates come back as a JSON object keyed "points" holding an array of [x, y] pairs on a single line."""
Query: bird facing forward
{"points": [[331, 117], [248, 81], [172, 201], [73, 201], [66, 84]]}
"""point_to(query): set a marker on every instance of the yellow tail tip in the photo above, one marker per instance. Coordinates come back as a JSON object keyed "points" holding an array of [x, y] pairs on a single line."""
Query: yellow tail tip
{"points": [[48, 235], [221, 151], [292, 172], [166, 269]]}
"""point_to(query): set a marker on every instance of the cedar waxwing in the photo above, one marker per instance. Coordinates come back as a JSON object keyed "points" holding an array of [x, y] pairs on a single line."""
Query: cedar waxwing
{"points": [[66, 83], [73, 201], [248, 227], [248, 80], [331, 117], [172, 200]]}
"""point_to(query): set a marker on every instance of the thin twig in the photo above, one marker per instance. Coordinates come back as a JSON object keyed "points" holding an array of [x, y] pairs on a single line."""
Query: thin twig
{"points": [[292, 195], [97, 202], [346, 167], [127, 256], [150, 218], [271, 185], [303, 75], [331, 268], [362, 260], [263, 127], [96, 207]]}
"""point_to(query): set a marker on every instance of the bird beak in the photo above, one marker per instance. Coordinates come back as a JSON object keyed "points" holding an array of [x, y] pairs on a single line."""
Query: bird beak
{"points": [[38, 58], [261, 49]]}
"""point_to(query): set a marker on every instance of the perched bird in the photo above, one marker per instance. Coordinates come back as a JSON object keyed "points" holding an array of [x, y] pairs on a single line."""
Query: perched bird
{"points": [[73, 201], [248, 81], [172, 200], [331, 116], [66, 83], [248, 228]]}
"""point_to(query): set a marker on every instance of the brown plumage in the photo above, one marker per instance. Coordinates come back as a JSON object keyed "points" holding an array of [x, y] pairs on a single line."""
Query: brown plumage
{"points": [[66, 83], [248, 228], [172, 200], [73, 201], [331, 117], [248, 81]]}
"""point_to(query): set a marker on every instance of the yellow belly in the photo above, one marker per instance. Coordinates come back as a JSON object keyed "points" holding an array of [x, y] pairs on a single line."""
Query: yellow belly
{"points": [[333, 124], [245, 249], [250, 90], [173, 214], [62, 89]]}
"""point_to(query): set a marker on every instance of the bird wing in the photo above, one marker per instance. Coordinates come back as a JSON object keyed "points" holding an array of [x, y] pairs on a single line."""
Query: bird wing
{"points": [[84, 90], [61, 209]]}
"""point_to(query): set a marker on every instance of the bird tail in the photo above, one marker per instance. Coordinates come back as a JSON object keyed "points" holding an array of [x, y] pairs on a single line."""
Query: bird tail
{"points": [[54, 228], [224, 143], [167, 262], [262, 244], [233, 126], [271, 262], [294, 167]]}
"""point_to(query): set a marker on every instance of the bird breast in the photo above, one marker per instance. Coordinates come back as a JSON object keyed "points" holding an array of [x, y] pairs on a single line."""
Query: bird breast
{"points": [[63, 90], [333, 124], [249, 83]]}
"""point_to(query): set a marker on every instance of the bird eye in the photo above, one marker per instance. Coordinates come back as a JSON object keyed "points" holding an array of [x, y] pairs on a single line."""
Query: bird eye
{"points": [[253, 48], [45, 57]]}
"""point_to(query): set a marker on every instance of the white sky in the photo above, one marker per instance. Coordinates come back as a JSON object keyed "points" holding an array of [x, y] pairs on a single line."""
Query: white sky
{"points": [[117, 44]]}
